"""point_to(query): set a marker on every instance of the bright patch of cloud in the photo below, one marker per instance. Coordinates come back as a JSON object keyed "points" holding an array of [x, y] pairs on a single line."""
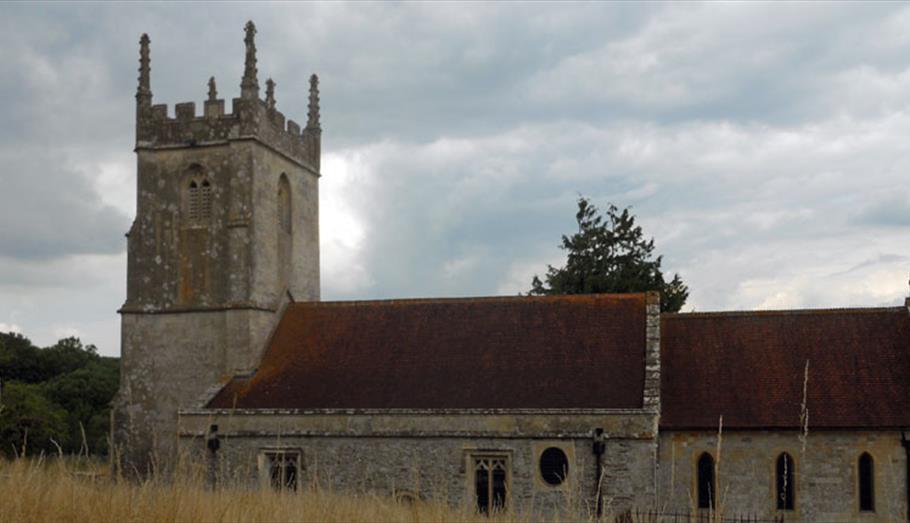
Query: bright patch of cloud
{"points": [[341, 232]]}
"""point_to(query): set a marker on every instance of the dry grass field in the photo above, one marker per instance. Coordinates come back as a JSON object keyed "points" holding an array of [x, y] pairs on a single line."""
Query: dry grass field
{"points": [[70, 490]]}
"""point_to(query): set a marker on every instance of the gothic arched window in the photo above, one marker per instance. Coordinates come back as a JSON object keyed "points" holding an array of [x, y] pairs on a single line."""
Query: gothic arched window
{"points": [[784, 480], [866, 483], [198, 196], [706, 485], [285, 247], [284, 204], [491, 482]]}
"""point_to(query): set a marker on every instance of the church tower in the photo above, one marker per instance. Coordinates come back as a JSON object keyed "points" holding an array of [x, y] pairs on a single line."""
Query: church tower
{"points": [[226, 234]]}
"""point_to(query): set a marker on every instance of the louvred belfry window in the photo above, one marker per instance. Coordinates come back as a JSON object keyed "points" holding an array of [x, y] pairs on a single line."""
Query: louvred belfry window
{"points": [[205, 200], [192, 201], [199, 200]]}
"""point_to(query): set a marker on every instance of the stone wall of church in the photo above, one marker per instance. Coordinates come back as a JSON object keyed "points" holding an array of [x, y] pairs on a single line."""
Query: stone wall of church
{"points": [[171, 360], [430, 456], [825, 475]]}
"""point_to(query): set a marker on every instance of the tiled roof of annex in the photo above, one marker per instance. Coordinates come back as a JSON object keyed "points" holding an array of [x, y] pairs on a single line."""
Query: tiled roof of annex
{"points": [[750, 368], [580, 351]]}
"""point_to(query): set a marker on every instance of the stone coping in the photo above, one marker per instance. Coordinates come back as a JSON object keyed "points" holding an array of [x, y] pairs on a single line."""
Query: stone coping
{"points": [[411, 423], [454, 434]]}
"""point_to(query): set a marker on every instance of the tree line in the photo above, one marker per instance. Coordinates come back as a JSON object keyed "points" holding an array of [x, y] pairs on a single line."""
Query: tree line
{"points": [[54, 399]]}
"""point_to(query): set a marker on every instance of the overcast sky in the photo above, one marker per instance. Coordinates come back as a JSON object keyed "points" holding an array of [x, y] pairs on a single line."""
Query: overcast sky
{"points": [[765, 147]]}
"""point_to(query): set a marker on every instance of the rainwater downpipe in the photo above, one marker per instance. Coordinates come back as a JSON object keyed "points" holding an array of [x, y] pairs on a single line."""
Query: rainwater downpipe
{"points": [[600, 445], [906, 443]]}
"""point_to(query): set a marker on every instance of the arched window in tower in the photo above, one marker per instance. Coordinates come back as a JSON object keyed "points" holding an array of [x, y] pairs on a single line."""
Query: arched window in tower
{"points": [[198, 196], [784, 479], [706, 485], [285, 240], [866, 483], [192, 201], [284, 204]]}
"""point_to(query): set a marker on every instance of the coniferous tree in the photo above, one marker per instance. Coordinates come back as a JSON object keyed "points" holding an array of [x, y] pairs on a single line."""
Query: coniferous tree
{"points": [[610, 254]]}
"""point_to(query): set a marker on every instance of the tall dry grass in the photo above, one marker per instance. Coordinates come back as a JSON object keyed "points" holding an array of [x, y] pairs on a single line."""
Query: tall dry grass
{"points": [[70, 490]]}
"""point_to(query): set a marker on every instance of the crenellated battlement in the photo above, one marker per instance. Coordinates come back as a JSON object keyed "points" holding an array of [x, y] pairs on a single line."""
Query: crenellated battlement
{"points": [[251, 118], [248, 119]]}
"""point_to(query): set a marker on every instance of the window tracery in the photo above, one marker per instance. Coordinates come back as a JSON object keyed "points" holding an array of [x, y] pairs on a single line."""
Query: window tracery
{"points": [[490, 482], [281, 468]]}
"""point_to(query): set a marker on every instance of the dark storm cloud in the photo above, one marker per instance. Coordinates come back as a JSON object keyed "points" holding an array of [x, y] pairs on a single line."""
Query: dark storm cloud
{"points": [[50, 210]]}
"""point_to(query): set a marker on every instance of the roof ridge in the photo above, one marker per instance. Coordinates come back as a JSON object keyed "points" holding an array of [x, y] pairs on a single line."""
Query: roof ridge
{"points": [[786, 312], [466, 299]]}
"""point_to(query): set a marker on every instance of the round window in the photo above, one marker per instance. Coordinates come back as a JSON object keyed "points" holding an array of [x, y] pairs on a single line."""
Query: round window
{"points": [[554, 466]]}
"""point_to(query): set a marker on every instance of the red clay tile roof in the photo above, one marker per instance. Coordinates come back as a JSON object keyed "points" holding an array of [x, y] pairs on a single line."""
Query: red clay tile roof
{"points": [[749, 367], [511, 352]]}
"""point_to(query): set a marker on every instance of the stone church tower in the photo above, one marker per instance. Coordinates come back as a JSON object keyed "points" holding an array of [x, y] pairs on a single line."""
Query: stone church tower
{"points": [[226, 234]]}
